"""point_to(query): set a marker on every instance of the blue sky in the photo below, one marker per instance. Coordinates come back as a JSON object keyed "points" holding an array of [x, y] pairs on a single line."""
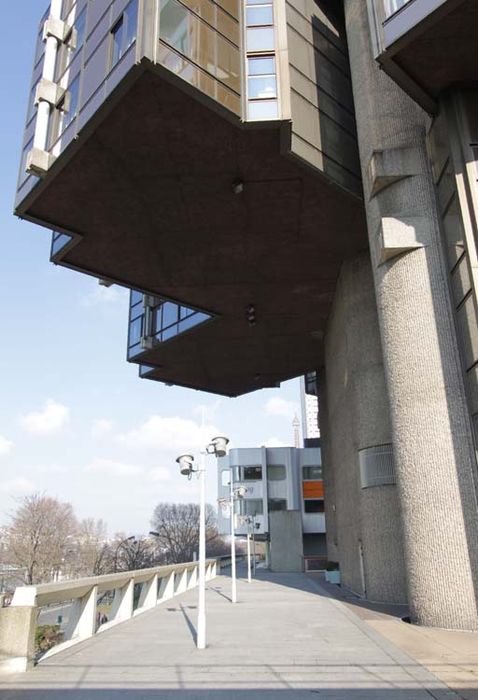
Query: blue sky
{"points": [[75, 419]]}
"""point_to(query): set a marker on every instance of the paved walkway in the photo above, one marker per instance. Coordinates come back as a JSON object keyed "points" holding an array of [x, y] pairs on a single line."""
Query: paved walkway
{"points": [[285, 639]]}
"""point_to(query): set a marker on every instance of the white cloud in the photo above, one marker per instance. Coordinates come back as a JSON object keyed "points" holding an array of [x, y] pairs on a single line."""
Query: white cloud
{"points": [[52, 469], [208, 411], [18, 485], [170, 434], [275, 442], [100, 465], [103, 295], [159, 474], [101, 427], [5, 445], [51, 419], [277, 406]]}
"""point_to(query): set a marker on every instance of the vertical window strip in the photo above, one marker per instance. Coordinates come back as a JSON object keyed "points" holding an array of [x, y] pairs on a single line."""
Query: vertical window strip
{"points": [[261, 71]]}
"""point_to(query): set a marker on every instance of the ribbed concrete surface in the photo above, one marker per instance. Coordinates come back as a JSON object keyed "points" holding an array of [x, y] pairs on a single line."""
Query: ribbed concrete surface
{"points": [[431, 430], [283, 640]]}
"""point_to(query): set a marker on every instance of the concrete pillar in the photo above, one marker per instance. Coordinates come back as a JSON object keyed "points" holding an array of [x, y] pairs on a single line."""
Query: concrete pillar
{"points": [[148, 597], [193, 577], [82, 616], [122, 607], [181, 583], [17, 638], [365, 522], [166, 587], [434, 456]]}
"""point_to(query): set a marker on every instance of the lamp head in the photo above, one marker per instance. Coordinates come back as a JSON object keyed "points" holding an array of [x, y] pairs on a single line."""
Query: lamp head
{"points": [[241, 491], [219, 446], [185, 464]]}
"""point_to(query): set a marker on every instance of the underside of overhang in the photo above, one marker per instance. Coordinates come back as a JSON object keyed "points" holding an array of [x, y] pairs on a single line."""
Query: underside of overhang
{"points": [[153, 195], [440, 52]]}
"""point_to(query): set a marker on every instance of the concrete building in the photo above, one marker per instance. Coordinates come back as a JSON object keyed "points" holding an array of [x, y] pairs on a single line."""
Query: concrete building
{"points": [[291, 187], [284, 502]]}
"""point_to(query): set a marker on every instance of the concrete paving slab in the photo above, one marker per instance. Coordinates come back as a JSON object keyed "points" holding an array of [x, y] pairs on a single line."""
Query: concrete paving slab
{"points": [[284, 640]]}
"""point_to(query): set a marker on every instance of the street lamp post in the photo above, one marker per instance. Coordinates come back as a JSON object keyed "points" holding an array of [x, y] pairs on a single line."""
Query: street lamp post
{"points": [[217, 446], [237, 493], [233, 539]]}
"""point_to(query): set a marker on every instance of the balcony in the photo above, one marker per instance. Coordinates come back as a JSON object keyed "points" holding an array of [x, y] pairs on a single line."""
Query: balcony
{"points": [[427, 45]]}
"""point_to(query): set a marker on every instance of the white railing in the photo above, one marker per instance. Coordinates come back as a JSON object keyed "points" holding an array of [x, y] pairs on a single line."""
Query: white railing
{"points": [[157, 585]]}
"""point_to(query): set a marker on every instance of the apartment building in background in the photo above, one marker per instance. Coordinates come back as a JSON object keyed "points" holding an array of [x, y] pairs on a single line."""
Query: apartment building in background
{"points": [[283, 504], [289, 187]]}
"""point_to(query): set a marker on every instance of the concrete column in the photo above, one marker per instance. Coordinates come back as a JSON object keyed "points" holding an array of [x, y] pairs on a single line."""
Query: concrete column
{"points": [[181, 582], [365, 522], [148, 597], [17, 637], [82, 617], [122, 608], [166, 587], [193, 577], [434, 456]]}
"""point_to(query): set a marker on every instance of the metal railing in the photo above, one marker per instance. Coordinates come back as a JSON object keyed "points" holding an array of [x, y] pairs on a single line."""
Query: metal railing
{"points": [[131, 593]]}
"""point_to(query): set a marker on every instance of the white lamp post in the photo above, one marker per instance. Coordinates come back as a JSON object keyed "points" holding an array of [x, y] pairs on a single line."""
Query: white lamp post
{"points": [[217, 447], [234, 494]]}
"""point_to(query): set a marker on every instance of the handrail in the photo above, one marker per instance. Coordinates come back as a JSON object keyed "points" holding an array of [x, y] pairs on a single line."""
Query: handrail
{"points": [[59, 591], [157, 585]]}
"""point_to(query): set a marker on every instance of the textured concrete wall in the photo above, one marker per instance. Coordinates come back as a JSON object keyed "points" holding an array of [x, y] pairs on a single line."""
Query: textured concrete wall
{"points": [[328, 472], [433, 449], [367, 521], [286, 552], [17, 634]]}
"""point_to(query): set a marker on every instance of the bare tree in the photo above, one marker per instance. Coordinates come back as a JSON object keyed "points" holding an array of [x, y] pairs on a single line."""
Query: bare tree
{"points": [[39, 536], [177, 525], [90, 552], [131, 553]]}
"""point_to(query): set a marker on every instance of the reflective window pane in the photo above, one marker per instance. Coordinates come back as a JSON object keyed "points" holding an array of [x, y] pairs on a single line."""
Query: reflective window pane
{"points": [[251, 506], [252, 473], [311, 473], [136, 297], [263, 110], [276, 472], [262, 87], [73, 93], [60, 240], [117, 33], [131, 19], [260, 39], [261, 15], [170, 314], [135, 331], [262, 65], [314, 506], [277, 504]]}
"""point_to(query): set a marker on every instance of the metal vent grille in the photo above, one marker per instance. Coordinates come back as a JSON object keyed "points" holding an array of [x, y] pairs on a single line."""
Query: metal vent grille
{"points": [[376, 466]]}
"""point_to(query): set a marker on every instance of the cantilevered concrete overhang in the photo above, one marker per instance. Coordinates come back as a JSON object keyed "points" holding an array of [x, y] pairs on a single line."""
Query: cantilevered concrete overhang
{"points": [[430, 45], [149, 190]]}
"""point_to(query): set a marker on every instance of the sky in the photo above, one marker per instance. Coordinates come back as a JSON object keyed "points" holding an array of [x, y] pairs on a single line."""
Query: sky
{"points": [[76, 422]]}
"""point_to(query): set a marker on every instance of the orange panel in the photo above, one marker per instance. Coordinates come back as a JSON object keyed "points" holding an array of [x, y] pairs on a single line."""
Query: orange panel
{"points": [[313, 489]]}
